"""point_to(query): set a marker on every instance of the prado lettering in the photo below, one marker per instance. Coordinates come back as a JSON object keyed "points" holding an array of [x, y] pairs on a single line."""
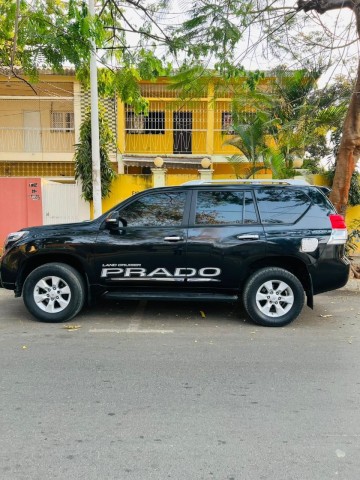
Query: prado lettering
{"points": [[160, 273]]}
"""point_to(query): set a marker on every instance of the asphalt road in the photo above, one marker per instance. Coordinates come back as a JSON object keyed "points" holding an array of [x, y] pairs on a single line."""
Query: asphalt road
{"points": [[144, 391]]}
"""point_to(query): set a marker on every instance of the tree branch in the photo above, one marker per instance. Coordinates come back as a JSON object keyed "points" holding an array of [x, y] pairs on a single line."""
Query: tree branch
{"points": [[322, 6]]}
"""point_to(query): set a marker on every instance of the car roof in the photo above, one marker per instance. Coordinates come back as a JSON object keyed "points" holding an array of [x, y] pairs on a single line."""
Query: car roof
{"points": [[241, 181]]}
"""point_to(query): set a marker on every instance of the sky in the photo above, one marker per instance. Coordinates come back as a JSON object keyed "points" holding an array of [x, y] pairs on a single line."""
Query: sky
{"points": [[333, 35]]}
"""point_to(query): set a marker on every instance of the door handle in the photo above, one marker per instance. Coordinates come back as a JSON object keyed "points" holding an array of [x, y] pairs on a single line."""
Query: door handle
{"points": [[247, 237], [173, 239]]}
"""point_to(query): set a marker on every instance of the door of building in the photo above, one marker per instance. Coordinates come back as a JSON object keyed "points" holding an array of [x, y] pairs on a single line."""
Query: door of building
{"points": [[32, 132], [182, 122]]}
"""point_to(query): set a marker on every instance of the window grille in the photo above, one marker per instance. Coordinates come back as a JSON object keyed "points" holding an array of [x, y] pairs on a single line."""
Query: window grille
{"points": [[62, 121], [153, 123], [227, 123]]}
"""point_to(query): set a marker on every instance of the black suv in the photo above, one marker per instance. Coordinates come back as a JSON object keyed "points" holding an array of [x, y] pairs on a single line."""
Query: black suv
{"points": [[266, 243]]}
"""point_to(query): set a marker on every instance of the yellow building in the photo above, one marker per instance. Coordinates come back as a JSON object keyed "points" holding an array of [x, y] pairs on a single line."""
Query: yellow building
{"points": [[182, 132], [40, 123]]}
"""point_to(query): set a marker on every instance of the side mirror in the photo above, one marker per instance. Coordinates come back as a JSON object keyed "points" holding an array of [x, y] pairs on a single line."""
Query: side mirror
{"points": [[114, 222]]}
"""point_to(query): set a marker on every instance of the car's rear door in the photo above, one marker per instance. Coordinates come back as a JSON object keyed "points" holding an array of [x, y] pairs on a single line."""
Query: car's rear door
{"points": [[224, 237]]}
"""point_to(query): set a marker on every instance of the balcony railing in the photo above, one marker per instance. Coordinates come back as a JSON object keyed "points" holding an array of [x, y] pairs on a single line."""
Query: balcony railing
{"points": [[35, 140]]}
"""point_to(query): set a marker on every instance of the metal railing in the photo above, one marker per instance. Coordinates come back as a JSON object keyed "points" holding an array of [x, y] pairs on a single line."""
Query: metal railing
{"points": [[35, 140]]}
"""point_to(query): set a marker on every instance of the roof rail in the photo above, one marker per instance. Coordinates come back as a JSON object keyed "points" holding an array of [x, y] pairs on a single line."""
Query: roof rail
{"points": [[256, 181]]}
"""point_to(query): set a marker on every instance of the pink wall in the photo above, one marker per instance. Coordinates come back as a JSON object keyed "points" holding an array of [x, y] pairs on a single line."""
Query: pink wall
{"points": [[20, 204]]}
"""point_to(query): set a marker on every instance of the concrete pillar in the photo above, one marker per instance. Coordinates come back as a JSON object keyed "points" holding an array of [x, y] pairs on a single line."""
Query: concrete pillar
{"points": [[120, 163], [159, 177], [77, 110], [210, 124], [121, 126], [206, 174]]}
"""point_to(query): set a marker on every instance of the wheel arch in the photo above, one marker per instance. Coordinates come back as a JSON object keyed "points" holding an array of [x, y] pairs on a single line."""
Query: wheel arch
{"points": [[40, 260], [291, 264]]}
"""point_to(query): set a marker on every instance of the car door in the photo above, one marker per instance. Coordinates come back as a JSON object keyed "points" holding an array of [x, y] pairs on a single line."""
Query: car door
{"points": [[225, 236], [147, 249]]}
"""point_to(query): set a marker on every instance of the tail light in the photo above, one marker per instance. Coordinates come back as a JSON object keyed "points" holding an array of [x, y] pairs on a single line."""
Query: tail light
{"points": [[338, 230]]}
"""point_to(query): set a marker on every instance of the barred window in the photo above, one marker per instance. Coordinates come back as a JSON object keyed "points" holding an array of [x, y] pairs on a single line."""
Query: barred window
{"points": [[62, 121], [134, 123], [227, 123], [153, 123]]}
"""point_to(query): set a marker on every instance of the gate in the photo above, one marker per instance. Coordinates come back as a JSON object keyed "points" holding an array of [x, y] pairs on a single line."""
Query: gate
{"points": [[62, 203], [20, 204]]}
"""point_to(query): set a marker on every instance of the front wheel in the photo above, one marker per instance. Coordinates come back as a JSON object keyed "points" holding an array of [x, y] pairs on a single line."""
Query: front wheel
{"points": [[54, 292], [273, 297]]}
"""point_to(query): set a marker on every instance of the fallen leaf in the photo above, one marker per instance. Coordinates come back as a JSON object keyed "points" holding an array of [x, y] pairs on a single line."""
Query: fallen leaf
{"points": [[72, 327], [202, 314], [24, 347]]}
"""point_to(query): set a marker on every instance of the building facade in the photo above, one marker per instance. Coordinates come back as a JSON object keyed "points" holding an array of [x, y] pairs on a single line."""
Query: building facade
{"points": [[39, 124], [181, 131]]}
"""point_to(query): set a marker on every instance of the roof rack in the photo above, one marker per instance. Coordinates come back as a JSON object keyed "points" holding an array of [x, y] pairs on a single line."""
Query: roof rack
{"points": [[257, 181]]}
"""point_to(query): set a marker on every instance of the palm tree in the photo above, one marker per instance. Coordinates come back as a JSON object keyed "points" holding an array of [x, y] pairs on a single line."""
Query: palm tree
{"points": [[250, 135], [283, 124]]}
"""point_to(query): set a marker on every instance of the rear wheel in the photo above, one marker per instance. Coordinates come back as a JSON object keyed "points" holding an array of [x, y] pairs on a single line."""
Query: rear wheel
{"points": [[273, 297], [54, 292]]}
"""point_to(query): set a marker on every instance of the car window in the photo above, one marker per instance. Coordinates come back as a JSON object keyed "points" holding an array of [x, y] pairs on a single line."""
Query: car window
{"points": [[281, 205], [155, 210], [224, 208]]}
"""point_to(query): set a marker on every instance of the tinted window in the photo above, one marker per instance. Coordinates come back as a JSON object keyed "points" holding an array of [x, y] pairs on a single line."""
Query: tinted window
{"points": [[155, 210], [281, 205], [250, 215], [224, 207]]}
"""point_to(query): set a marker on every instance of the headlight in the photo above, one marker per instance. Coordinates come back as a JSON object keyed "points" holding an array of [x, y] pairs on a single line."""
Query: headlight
{"points": [[14, 237]]}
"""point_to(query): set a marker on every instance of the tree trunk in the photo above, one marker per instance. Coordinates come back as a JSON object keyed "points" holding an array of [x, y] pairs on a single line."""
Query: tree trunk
{"points": [[349, 151]]}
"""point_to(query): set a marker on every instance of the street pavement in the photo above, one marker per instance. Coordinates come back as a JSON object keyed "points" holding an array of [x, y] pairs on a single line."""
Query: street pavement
{"points": [[184, 391]]}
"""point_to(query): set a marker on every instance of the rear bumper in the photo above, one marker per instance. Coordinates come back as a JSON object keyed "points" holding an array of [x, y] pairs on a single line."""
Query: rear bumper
{"points": [[330, 274]]}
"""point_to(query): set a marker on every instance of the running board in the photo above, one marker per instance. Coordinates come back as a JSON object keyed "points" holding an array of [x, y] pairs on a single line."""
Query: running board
{"points": [[171, 296]]}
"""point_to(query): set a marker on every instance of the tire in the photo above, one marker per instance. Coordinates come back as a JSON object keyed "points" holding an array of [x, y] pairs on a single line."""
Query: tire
{"points": [[273, 297], [54, 292]]}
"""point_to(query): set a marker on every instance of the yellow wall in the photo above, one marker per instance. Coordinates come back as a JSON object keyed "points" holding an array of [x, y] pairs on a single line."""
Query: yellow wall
{"points": [[353, 213], [178, 179], [124, 186]]}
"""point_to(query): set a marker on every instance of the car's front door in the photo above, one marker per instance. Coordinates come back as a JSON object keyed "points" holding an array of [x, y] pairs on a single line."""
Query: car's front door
{"points": [[148, 248], [224, 237]]}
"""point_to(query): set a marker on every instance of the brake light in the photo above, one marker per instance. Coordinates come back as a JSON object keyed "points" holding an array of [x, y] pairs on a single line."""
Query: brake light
{"points": [[338, 230], [337, 221]]}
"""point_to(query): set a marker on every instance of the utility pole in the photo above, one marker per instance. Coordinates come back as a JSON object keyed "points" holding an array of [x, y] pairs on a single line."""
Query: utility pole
{"points": [[95, 143]]}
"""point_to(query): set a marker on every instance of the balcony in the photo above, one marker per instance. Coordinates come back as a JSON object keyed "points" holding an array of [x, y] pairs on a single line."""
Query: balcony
{"points": [[27, 143]]}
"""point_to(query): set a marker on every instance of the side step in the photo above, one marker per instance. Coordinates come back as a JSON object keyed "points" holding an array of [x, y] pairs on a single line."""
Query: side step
{"points": [[172, 296]]}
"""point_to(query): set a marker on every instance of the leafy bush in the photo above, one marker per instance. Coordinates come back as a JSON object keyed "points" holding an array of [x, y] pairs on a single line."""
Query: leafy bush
{"points": [[83, 158]]}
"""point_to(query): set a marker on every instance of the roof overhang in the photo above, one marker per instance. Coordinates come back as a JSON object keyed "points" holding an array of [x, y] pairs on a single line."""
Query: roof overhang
{"points": [[170, 161]]}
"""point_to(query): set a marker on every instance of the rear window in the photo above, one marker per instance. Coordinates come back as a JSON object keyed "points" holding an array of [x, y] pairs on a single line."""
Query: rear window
{"points": [[321, 200], [281, 205]]}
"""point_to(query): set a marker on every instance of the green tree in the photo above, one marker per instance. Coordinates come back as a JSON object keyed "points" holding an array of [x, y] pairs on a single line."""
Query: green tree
{"points": [[82, 157], [250, 138]]}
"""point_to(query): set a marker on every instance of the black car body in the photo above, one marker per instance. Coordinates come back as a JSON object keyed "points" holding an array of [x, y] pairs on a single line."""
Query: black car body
{"points": [[266, 243]]}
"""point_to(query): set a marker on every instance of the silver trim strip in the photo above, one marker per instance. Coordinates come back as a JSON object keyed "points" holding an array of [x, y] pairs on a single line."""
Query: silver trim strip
{"points": [[145, 279]]}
